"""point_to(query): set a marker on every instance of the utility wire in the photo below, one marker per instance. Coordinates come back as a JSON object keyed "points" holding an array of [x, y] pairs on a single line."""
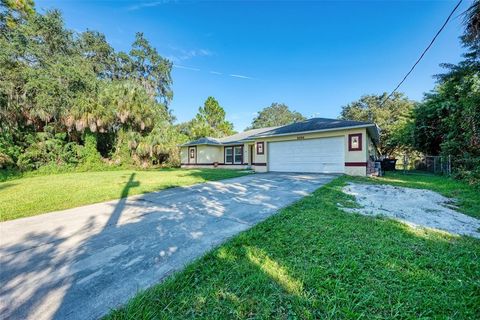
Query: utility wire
{"points": [[423, 53]]}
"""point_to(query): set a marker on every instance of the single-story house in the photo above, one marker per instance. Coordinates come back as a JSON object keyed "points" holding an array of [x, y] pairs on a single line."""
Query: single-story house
{"points": [[313, 145]]}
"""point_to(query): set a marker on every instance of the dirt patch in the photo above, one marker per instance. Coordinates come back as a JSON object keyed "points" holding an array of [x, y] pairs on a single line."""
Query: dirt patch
{"points": [[415, 207]]}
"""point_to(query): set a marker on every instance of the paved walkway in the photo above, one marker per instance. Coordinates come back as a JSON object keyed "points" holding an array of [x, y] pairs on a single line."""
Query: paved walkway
{"points": [[82, 262]]}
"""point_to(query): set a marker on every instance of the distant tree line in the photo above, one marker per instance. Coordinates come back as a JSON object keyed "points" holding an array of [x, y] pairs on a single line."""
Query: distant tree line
{"points": [[70, 99]]}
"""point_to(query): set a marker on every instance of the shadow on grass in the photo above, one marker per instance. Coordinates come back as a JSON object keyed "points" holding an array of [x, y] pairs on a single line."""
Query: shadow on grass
{"points": [[314, 261], [310, 261], [5, 185], [42, 254], [215, 174], [86, 267]]}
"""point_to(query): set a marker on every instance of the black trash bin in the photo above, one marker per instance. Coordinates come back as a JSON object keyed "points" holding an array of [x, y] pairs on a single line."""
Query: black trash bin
{"points": [[389, 164]]}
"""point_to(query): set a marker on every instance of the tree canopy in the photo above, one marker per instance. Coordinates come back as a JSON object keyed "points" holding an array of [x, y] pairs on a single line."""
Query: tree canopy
{"points": [[69, 98], [63, 85], [447, 122], [277, 114], [471, 35], [393, 117], [209, 122]]}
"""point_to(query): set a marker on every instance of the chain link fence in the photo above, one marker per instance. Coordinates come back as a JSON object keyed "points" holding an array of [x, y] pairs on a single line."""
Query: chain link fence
{"points": [[431, 164], [459, 167]]}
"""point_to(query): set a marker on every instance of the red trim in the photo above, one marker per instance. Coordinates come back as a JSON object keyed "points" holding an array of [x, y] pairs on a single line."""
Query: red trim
{"points": [[355, 164], [263, 147], [350, 136]]}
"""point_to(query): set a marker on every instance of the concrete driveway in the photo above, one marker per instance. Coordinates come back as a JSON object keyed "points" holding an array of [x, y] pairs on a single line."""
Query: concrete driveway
{"points": [[82, 262]]}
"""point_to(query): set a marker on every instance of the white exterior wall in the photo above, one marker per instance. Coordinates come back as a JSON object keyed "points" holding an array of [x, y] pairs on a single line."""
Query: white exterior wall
{"points": [[355, 161], [351, 157]]}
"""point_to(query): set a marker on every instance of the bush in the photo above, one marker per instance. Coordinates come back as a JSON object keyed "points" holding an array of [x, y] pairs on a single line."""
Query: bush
{"points": [[9, 149], [48, 148], [467, 169], [90, 157], [5, 160]]}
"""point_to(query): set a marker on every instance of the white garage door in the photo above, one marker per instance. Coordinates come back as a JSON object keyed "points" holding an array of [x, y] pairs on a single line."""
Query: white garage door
{"points": [[312, 155]]}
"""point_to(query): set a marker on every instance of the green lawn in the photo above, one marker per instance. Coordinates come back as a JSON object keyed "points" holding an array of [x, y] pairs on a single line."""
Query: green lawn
{"points": [[35, 195], [313, 261]]}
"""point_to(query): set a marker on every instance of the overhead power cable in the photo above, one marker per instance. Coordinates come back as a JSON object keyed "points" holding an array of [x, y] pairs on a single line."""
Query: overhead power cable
{"points": [[423, 53]]}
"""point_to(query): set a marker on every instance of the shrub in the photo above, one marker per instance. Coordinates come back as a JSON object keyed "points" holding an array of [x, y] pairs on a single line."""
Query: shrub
{"points": [[9, 149], [90, 157], [48, 148], [467, 169]]}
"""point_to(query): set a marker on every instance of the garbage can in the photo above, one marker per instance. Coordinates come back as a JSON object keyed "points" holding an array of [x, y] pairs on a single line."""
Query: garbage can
{"points": [[389, 164]]}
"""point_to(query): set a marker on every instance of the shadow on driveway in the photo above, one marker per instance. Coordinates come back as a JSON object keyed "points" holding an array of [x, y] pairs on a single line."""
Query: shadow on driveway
{"points": [[82, 262]]}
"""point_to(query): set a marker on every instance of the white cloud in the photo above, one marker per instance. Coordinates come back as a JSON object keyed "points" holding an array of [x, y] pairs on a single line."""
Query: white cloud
{"points": [[185, 67], [148, 4], [179, 66], [240, 76], [180, 54]]}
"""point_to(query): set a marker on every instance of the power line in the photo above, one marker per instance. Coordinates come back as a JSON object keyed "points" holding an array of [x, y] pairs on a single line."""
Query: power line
{"points": [[424, 52]]}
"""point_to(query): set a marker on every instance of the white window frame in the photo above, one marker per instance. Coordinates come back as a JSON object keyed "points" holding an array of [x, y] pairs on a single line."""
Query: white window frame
{"points": [[226, 150], [235, 154]]}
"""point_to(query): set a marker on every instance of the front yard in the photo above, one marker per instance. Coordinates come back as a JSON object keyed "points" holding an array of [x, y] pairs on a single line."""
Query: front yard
{"points": [[35, 195], [313, 260]]}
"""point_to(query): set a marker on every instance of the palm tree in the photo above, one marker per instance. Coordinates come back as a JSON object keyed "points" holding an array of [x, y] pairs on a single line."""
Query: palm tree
{"points": [[472, 25]]}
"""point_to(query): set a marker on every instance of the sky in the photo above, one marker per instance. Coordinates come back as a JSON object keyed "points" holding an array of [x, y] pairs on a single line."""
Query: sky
{"points": [[314, 56]]}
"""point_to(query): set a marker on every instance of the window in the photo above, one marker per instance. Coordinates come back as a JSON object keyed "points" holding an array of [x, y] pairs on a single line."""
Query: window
{"points": [[355, 142], [229, 155], [234, 155], [238, 154], [192, 153], [260, 147]]}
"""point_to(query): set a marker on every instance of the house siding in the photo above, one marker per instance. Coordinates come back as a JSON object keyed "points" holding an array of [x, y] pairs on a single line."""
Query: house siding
{"points": [[208, 155], [184, 155], [356, 162]]}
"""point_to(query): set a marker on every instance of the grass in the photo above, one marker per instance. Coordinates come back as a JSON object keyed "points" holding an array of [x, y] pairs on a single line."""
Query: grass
{"points": [[314, 261], [30, 196]]}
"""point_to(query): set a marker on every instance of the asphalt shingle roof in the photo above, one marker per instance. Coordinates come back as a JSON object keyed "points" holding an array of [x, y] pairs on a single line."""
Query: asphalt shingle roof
{"points": [[314, 124], [236, 138], [206, 140], [245, 135]]}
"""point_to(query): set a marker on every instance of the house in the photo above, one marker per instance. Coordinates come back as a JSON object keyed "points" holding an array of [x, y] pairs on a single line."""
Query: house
{"points": [[313, 145]]}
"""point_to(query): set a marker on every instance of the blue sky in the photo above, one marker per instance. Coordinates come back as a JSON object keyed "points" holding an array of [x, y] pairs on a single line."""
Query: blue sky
{"points": [[313, 56]]}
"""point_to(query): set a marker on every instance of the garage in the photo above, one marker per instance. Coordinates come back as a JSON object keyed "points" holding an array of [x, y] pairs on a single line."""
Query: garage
{"points": [[313, 155]]}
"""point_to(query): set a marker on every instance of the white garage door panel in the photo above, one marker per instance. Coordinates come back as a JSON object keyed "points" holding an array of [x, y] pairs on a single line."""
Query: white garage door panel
{"points": [[314, 155]]}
